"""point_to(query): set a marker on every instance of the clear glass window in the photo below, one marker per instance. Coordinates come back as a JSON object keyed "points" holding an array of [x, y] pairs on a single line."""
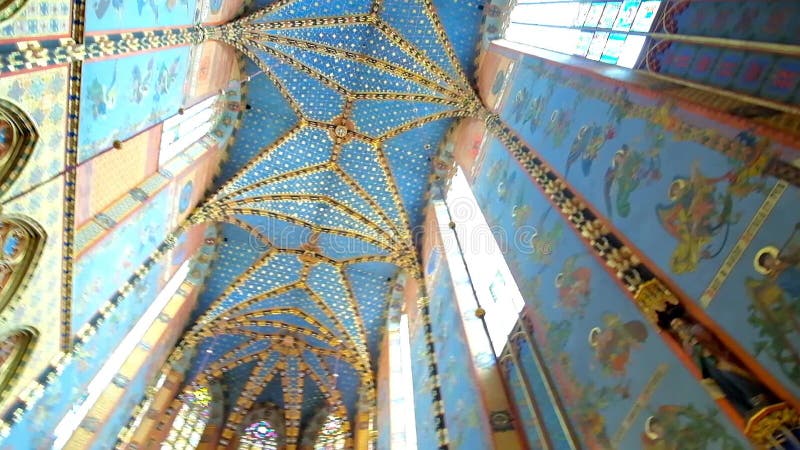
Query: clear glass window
{"points": [[610, 31]]}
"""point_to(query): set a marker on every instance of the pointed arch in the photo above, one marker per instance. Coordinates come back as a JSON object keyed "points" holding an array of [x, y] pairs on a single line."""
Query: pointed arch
{"points": [[14, 349], [331, 434], [10, 7], [18, 134], [21, 243]]}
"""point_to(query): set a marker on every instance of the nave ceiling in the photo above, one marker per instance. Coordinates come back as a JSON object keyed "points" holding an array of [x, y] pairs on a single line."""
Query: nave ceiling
{"points": [[322, 191]]}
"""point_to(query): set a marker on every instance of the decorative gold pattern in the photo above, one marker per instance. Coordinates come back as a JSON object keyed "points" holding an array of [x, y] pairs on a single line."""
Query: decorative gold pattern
{"points": [[769, 427]]}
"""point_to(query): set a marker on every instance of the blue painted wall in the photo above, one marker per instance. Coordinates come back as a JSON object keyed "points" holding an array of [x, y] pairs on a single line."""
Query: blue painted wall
{"points": [[112, 15], [123, 249], [37, 425], [680, 187], [622, 368], [121, 97]]}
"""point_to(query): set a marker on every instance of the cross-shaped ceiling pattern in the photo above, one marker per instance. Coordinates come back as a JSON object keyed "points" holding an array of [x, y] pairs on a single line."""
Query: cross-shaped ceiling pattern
{"points": [[319, 220]]}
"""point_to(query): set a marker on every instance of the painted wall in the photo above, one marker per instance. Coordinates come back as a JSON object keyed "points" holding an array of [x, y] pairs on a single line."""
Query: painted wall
{"points": [[37, 425], [611, 383], [123, 96], [465, 419], [685, 191]]}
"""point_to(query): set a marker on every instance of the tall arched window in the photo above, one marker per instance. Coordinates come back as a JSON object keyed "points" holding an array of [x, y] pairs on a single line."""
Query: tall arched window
{"points": [[260, 435], [17, 133], [20, 245], [12, 351], [331, 436], [190, 422]]}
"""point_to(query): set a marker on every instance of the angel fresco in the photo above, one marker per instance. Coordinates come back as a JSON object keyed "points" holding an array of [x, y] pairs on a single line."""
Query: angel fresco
{"points": [[775, 304], [695, 215], [101, 7], [141, 82], [573, 284], [588, 410], [520, 104], [613, 344], [166, 77], [527, 109], [543, 239], [677, 427], [557, 127], [701, 207], [586, 146], [628, 169], [103, 98], [498, 175]]}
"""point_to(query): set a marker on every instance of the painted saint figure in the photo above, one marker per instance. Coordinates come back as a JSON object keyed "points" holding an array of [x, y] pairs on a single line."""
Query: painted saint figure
{"points": [[743, 391], [775, 305], [782, 266], [613, 345], [695, 215], [573, 284], [628, 169]]}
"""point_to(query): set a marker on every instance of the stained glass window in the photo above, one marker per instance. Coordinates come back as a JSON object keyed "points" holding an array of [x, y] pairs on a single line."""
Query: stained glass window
{"points": [[12, 349], [331, 436], [188, 426], [260, 435], [609, 31], [20, 243]]}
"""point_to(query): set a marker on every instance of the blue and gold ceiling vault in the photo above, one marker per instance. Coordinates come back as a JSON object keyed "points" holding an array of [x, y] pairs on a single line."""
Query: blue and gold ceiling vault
{"points": [[323, 192]]}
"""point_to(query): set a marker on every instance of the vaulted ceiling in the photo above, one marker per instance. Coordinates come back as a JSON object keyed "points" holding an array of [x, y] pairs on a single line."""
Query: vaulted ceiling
{"points": [[323, 189]]}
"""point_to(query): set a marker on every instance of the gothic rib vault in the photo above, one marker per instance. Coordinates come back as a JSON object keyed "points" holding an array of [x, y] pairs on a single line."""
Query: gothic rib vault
{"points": [[322, 193]]}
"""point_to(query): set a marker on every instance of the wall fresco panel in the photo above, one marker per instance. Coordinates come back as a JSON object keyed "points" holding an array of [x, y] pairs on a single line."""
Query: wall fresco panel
{"points": [[649, 167], [423, 399], [123, 96], [142, 367], [35, 430], [759, 303], [607, 363], [460, 393]]}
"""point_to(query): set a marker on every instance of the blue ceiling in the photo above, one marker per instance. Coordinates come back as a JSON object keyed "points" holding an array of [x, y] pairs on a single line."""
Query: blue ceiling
{"points": [[317, 216]]}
